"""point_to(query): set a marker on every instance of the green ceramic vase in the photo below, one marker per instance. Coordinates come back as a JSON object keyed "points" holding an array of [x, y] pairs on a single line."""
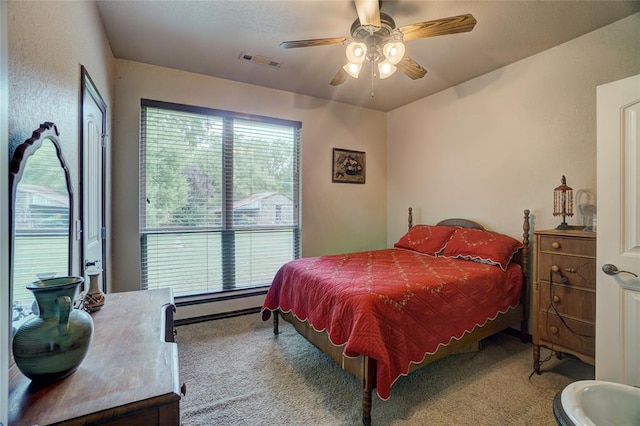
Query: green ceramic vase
{"points": [[52, 345]]}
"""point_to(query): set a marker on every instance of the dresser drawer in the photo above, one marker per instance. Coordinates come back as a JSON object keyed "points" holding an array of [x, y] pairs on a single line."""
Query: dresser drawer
{"points": [[567, 245], [579, 271], [555, 335], [572, 301]]}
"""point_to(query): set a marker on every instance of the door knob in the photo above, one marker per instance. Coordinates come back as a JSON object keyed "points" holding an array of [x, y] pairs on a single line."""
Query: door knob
{"points": [[610, 269]]}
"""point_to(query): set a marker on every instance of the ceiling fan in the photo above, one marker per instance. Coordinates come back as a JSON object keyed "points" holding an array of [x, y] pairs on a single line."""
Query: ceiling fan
{"points": [[376, 39]]}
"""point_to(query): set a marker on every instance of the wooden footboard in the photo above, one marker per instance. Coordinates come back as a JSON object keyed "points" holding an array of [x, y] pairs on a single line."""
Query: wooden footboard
{"points": [[364, 368]]}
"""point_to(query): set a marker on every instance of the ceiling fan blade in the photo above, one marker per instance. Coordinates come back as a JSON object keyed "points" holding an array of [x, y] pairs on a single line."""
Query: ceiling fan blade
{"points": [[312, 42], [368, 12], [451, 25], [339, 78], [411, 68]]}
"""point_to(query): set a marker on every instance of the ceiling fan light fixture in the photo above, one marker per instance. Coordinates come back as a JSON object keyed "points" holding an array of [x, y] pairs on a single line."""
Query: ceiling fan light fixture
{"points": [[393, 51], [356, 52], [353, 69], [375, 38], [386, 69]]}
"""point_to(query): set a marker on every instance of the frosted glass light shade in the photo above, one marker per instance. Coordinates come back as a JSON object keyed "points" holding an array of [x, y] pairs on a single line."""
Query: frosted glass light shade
{"points": [[353, 69], [386, 69], [394, 52], [356, 52]]}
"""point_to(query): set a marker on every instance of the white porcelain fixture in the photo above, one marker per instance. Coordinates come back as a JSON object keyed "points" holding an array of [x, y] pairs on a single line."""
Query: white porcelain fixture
{"points": [[600, 403]]}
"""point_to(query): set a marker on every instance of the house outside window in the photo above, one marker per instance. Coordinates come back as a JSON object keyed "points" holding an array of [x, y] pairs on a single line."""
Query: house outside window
{"points": [[210, 182]]}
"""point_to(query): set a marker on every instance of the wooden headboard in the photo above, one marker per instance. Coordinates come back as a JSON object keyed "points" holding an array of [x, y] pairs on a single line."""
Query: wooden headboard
{"points": [[521, 257], [465, 223]]}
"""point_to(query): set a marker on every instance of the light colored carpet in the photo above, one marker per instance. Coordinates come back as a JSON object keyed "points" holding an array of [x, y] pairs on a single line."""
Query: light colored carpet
{"points": [[238, 373]]}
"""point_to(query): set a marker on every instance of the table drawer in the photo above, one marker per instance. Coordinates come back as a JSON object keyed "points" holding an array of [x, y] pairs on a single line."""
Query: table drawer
{"points": [[579, 271], [567, 245], [580, 337], [572, 301]]}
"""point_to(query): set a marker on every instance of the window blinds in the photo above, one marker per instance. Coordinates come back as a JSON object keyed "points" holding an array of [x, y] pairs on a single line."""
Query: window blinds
{"points": [[219, 198]]}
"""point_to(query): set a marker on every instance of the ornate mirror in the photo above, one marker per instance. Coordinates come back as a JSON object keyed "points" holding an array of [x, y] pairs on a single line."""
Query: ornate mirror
{"points": [[40, 218]]}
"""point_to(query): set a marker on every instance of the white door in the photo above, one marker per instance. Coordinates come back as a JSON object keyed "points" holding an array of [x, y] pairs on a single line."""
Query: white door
{"points": [[618, 230], [5, 319], [92, 217]]}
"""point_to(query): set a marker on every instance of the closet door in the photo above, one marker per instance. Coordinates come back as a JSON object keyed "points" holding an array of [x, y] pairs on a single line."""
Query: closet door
{"points": [[92, 226]]}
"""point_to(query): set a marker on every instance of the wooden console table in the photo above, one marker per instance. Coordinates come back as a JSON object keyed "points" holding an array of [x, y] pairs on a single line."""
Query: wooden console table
{"points": [[129, 377]]}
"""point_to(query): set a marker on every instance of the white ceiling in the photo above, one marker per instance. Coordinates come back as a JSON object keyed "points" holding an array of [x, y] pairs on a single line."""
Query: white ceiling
{"points": [[207, 37]]}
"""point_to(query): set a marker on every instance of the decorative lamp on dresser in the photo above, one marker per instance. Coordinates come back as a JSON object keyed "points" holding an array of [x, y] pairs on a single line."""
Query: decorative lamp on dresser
{"points": [[129, 377], [564, 294]]}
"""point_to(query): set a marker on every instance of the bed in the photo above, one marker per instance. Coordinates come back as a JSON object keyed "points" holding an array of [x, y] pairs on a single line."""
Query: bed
{"points": [[382, 314]]}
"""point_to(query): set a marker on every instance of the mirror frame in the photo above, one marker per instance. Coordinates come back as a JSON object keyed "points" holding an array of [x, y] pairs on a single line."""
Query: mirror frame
{"points": [[46, 131]]}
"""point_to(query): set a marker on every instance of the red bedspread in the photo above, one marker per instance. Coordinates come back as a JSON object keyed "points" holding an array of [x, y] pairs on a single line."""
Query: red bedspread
{"points": [[393, 305]]}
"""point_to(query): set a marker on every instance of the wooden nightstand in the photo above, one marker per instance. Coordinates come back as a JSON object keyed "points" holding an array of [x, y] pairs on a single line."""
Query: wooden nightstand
{"points": [[564, 294]]}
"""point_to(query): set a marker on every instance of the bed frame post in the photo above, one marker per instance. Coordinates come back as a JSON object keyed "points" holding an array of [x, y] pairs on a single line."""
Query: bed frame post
{"points": [[366, 407], [368, 384], [525, 268], [275, 321]]}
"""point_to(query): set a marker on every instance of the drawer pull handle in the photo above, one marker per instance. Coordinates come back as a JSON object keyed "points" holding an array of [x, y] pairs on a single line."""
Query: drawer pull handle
{"points": [[553, 329], [571, 270], [556, 299], [555, 245], [556, 269]]}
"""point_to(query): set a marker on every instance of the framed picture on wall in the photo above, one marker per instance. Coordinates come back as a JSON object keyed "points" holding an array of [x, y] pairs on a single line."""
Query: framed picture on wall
{"points": [[348, 166]]}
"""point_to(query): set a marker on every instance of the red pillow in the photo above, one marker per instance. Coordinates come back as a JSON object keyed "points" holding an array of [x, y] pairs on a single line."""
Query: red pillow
{"points": [[482, 246], [426, 239]]}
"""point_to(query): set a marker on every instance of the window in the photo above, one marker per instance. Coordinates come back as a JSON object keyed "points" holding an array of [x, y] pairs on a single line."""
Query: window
{"points": [[219, 198]]}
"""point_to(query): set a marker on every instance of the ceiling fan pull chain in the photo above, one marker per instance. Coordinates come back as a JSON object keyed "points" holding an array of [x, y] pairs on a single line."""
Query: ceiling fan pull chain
{"points": [[373, 64], [373, 75]]}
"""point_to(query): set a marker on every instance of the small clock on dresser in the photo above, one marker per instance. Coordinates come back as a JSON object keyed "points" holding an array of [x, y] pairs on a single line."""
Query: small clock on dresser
{"points": [[564, 294]]}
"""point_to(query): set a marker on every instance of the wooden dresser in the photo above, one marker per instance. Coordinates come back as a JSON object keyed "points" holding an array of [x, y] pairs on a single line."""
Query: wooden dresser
{"points": [[564, 294], [129, 377]]}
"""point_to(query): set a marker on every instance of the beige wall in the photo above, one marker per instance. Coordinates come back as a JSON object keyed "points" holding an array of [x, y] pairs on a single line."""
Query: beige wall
{"points": [[489, 148], [47, 45], [335, 217]]}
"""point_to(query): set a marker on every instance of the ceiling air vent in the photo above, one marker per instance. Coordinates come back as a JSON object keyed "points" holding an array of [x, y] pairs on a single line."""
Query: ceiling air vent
{"points": [[260, 60]]}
